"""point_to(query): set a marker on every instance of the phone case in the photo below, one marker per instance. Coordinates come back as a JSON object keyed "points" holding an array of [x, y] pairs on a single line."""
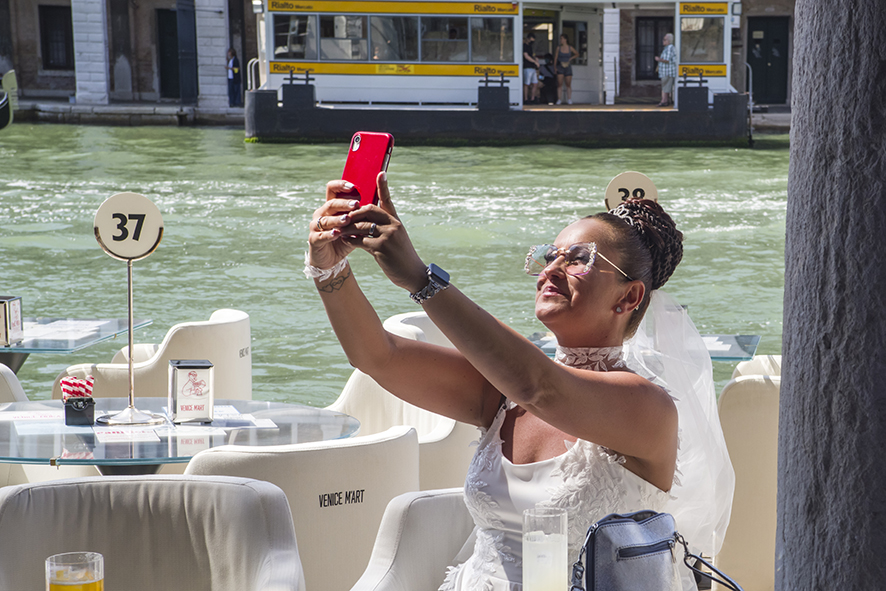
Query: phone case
{"points": [[368, 155]]}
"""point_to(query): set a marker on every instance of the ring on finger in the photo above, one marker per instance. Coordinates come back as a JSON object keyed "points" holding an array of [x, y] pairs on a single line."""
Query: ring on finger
{"points": [[373, 230], [320, 227]]}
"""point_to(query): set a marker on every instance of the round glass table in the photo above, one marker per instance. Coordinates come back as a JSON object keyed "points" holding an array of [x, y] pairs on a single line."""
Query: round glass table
{"points": [[35, 433]]}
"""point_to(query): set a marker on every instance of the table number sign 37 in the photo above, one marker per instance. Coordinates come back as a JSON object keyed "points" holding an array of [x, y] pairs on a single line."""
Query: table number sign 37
{"points": [[128, 226]]}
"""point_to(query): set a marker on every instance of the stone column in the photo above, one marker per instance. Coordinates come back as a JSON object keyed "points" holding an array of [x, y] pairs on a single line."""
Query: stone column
{"points": [[831, 530], [212, 50], [611, 52], [90, 24]]}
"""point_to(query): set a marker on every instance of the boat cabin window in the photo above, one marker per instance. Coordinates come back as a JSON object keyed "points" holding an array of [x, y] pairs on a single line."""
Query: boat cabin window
{"points": [[394, 38], [577, 34], [492, 39], [343, 37], [701, 39], [295, 36], [444, 39]]}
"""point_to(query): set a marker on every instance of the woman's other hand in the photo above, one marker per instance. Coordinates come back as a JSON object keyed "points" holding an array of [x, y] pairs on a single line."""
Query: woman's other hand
{"points": [[377, 229], [325, 244]]}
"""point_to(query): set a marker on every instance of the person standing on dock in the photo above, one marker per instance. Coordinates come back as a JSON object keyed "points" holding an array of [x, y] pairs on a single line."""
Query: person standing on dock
{"points": [[667, 70], [233, 68], [530, 71]]}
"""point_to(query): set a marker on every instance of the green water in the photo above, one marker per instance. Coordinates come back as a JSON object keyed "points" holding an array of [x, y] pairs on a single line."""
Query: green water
{"points": [[236, 218]]}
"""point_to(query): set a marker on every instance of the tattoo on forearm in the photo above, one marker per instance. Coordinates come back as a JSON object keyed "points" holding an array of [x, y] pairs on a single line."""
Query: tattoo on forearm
{"points": [[336, 282]]}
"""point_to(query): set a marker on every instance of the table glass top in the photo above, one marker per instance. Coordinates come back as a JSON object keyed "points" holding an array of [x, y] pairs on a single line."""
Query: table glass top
{"points": [[35, 432], [66, 335]]}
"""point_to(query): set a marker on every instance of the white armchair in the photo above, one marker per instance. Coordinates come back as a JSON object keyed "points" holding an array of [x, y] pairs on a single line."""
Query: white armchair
{"points": [[224, 340], [445, 449], [748, 409], [155, 532], [421, 534], [760, 365], [10, 388], [338, 491]]}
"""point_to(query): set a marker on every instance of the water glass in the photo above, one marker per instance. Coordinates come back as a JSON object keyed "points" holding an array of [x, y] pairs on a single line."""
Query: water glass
{"points": [[545, 543], [75, 571]]}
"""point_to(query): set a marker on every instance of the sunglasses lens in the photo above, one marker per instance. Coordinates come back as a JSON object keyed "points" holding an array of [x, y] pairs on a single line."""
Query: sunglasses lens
{"points": [[539, 257], [580, 259]]}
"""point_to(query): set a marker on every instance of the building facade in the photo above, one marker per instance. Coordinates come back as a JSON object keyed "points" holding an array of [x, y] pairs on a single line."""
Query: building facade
{"points": [[101, 51]]}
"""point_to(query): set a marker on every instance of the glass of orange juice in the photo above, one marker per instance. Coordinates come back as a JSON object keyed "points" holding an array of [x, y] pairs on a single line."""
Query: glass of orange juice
{"points": [[75, 571]]}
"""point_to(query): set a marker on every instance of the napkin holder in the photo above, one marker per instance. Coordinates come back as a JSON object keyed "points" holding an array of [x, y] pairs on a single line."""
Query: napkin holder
{"points": [[77, 398], [190, 390], [80, 410], [11, 327]]}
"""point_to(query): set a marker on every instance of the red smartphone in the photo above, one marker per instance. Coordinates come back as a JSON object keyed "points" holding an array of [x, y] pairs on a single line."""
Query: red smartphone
{"points": [[368, 155]]}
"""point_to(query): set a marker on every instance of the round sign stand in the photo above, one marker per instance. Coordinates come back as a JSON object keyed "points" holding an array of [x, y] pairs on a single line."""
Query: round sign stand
{"points": [[627, 185], [128, 227]]}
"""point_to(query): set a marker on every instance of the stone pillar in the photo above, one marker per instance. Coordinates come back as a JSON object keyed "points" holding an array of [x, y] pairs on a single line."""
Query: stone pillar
{"points": [[90, 24], [212, 50], [832, 426], [611, 52]]}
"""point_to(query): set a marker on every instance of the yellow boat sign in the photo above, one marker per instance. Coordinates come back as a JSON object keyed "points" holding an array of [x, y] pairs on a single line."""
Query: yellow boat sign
{"points": [[364, 68], [351, 6], [704, 8], [695, 70]]}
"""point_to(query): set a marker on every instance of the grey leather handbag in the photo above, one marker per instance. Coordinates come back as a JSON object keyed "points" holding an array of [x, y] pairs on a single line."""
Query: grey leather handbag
{"points": [[637, 552]]}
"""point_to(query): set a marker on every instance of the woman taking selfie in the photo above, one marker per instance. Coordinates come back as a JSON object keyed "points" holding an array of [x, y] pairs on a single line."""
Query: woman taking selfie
{"points": [[594, 431]]}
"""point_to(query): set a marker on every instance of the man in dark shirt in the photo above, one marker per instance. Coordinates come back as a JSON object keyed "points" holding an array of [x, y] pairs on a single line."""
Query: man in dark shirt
{"points": [[530, 71]]}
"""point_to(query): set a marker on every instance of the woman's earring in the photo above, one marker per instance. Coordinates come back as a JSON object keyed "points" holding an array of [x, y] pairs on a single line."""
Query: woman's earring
{"points": [[618, 309]]}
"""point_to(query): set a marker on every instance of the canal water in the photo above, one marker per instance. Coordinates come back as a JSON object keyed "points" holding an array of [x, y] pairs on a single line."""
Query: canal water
{"points": [[236, 219]]}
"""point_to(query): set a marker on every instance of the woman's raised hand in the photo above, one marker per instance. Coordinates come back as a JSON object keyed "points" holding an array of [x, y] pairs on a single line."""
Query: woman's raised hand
{"points": [[325, 244]]}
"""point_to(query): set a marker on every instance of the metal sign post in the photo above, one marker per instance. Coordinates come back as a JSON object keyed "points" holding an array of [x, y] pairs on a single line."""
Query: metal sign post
{"points": [[128, 227]]}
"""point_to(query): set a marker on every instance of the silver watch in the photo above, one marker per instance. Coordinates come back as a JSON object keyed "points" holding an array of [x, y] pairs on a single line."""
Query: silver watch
{"points": [[438, 280]]}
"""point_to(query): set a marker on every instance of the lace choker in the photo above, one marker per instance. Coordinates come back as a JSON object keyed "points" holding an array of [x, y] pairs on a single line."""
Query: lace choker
{"points": [[594, 358]]}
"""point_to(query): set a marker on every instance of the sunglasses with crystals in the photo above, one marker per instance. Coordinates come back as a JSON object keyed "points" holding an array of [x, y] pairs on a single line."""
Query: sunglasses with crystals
{"points": [[579, 258]]}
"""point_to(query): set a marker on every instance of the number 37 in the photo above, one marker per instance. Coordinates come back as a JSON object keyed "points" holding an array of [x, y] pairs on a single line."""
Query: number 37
{"points": [[122, 219]]}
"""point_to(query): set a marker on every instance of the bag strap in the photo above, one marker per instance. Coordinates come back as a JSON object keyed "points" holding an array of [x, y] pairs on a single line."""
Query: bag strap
{"points": [[724, 581]]}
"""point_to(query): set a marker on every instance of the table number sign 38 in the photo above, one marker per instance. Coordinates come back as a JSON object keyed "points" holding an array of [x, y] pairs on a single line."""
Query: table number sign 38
{"points": [[629, 185]]}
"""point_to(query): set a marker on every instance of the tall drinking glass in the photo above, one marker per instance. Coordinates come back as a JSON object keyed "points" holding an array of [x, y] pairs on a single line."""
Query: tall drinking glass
{"points": [[75, 571], [545, 544]]}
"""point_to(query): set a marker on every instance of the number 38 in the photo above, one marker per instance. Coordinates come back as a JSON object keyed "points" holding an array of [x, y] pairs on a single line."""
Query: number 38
{"points": [[638, 193]]}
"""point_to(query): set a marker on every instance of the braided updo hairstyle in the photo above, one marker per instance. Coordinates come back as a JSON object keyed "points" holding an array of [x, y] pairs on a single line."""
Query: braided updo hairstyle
{"points": [[648, 243]]}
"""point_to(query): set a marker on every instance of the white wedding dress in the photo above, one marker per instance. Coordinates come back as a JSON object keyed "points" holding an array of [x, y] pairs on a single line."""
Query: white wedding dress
{"points": [[587, 480]]}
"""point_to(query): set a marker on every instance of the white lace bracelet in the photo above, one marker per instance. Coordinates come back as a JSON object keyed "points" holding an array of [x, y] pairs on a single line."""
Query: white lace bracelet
{"points": [[312, 272]]}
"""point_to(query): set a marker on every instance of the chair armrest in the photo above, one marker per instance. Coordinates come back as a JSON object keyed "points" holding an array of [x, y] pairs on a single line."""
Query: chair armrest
{"points": [[142, 352], [419, 536]]}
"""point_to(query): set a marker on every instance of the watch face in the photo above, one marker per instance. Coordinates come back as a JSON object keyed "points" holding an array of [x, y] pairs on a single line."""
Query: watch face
{"points": [[439, 275]]}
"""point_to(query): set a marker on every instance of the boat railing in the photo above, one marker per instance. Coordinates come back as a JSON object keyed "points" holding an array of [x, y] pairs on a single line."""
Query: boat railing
{"points": [[251, 73]]}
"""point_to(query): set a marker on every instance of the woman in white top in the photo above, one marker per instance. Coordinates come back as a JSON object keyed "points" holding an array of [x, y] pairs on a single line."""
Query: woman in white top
{"points": [[585, 432]]}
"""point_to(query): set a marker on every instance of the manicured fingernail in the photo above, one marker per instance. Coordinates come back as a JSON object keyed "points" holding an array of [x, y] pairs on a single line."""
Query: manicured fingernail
{"points": [[354, 203], [344, 218], [336, 231], [349, 185]]}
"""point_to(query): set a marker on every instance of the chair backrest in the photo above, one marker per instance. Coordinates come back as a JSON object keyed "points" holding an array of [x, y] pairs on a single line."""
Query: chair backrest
{"points": [[748, 409], [337, 490], [10, 388], [444, 444], [155, 532], [224, 340], [760, 365]]}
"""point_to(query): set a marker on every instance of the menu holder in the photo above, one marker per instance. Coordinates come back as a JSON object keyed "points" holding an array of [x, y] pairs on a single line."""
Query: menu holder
{"points": [[11, 327]]}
